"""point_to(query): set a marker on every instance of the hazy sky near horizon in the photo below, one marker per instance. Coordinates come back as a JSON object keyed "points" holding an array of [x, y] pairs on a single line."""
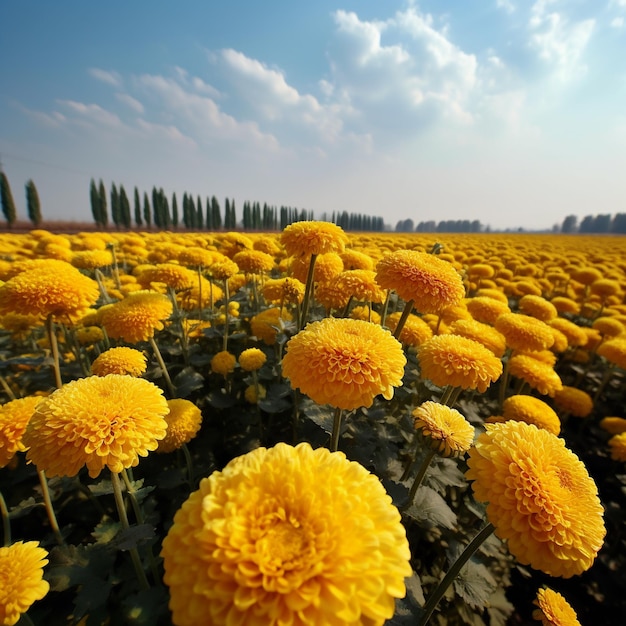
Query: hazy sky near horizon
{"points": [[509, 112]]}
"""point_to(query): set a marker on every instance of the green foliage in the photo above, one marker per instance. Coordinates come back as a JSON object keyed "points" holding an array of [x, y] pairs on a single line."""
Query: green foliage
{"points": [[6, 200]]}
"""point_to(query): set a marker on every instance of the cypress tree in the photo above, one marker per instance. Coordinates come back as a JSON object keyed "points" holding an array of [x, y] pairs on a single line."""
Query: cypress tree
{"points": [[216, 215], [156, 208], [94, 198], [6, 197], [104, 216], [124, 208], [33, 204], [116, 214], [208, 221], [174, 211], [138, 219]]}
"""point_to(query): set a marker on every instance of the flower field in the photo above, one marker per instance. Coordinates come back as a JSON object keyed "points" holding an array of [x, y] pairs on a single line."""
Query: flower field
{"points": [[312, 428]]}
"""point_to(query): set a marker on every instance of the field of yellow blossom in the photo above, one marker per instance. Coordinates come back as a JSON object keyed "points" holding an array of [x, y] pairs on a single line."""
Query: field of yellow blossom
{"points": [[312, 428]]}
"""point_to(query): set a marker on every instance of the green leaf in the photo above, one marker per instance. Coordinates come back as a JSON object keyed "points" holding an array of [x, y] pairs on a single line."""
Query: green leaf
{"points": [[274, 405], [187, 381], [444, 473], [103, 488], [475, 584], [145, 608], [24, 507], [221, 400], [323, 416], [431, 509], [106, 530], [132, 537], [499, 609]]}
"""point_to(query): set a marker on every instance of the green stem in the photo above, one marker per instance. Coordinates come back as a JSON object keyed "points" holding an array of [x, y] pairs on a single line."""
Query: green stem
{"points": [[7, 388], [307, 292], [189, 464], [408, 307], [445, 396], [200, 307], [504, 379], [54, 347], [453, 396], [103, 292], [226, 313], [47, 500], [161, 362], [334, 440], [383, 313], [447, 580], [121, 510], [6, 522], [255, 380], [418, 479]]}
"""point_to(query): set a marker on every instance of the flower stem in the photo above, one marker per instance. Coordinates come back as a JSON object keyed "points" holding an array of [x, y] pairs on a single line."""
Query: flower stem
{"points": [[7, 388], [6, 522], [383, 314], [307, 292], [504, 379], [334, 440], [457, 566], [161, 362], [408, 307], [189, 464], [121, 510], [47, 500], [418, 479], [54, 347], [226, 314]]}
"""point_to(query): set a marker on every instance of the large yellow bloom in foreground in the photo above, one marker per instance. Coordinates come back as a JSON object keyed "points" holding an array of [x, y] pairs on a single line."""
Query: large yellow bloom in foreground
{"points": [[97, 421], [344, 362], [539, 497], [21, 579], [287, 536], [433, 284]]}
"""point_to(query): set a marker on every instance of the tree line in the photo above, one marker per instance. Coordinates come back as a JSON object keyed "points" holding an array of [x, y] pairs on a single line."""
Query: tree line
{"points": [[33, 205], [443, 226], [601, 223]]}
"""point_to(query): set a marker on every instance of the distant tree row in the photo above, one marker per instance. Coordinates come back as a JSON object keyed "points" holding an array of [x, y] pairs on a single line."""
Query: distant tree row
{"points": [[33, 205], [444, 226], [595, 224]]}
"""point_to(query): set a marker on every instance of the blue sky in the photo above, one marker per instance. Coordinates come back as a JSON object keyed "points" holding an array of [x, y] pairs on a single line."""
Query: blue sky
{"points": [[510, 112]]}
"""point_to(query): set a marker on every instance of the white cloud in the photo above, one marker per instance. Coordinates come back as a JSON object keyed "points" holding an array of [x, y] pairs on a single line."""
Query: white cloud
{"points": [[507, 5], [131, 102], [108, 77], [617, 22], [93, 113], [559, 43]]}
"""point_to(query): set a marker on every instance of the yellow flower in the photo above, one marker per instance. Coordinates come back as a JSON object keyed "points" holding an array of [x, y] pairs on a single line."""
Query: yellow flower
{"points": [[327, 267], [89, 335], [265, 324], [459, 362], [288, 536], [252, 359], [223, 363], [58, 289], [361, 285], [576, 336], [539, 497], [415, 331], [92, 259], [483, 333], [586, 275], [532, 411], [614, 350], [608, 327], [173, 275], [613, 425], [355, 260], [331, 296], [444, 429], [523, 332], [19, 325], [286, 290], [538, 307], [21, 579], [573, 401], [365, 313], [223, 269], [617, 444], [253, 261], [604, 287], [553, 609], [565, 305], [431, 283], [14, 417], [537, 374], [183, 422], [97, 421], [251, 395], [344, 362], [307, 238], [137, 317], [120, 360], [486, 309]]}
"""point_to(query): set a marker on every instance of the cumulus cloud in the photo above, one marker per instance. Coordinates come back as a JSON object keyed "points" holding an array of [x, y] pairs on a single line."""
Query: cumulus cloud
{"points": [[104, 76], [131, 102]]}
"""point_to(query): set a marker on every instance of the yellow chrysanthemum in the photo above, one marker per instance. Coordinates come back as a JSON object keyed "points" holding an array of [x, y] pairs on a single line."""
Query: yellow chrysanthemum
{"points": [[415, 330], [264, 543], [614, 350], [223, 363], [565, 305], [365, 313], [576, 336], [253, 261], [327, 267], [444, 429], [89, 335], [553, 609], [331, 296], [483, 333], [178, 277], [19, 325], [532, 411], [99, 422], [608, 327], [21, 579], [307, 238], [432, 284], [183, 422], [486, 309], [223, 269], [586, 275], [613, 425], [57, 290], [285, 290], [356, 260], [265, 325], [14, 417], [538, 307], [120, 360], [92, 259], [573, 401], [254, 393], [523, 332], [459, 362], [344, 362], [617, 445], [137, 317], [252, 359], [536, 373], [361, 285], [539, 497]]}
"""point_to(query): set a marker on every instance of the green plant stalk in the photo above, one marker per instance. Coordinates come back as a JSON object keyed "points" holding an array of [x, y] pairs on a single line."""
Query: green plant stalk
{"points": [[418, 479], [161, 362], [255, 380], [226, 313], [7, 388], [54, 347], [383, 314], [334, 440], [307, 292], [189, 464], [408, 307], [103, 292], [457, 566], [47, 500], [6, 522], [504, 379], [200, 307], [121, 510]]}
